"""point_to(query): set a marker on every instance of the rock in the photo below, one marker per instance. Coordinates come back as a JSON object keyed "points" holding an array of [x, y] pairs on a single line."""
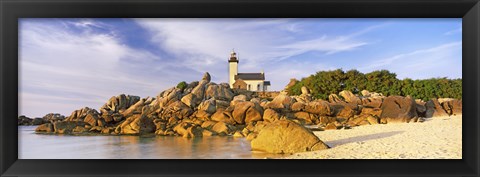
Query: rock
{"points": [[343, 110], [92, 119], [53, 117], [305, 90], [206, 77], [298, 106], [208, 124], [47, 128], [453, 107], [270, 115], [251, 136], [81, 114], [23, 120], [246, 112], [137, 124], [442, 100], [365, 93], [172, 95], [177, 109], [66, 127], [208, 106], [238, 134], [188, 130], [207, 133], [79, 129], [119, 103], [398, 109], [319, 107], [285, 136], [350, 97], [306, 117], [434, 109], [221, 128], [372, 102], [237, 99], [136, 108], [333, 98], [223, 116], [372, 120], [38, 121], [421, 109], [219, 104], [377, 112], [331, 126], [219, 92], [281, 101]]}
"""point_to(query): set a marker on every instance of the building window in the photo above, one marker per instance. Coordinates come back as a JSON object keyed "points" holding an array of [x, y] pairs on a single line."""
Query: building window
{"points": [[258, 87], [249, 87]]}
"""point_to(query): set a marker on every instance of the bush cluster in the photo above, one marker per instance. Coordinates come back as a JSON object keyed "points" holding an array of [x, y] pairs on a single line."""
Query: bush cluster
{"points": [[324, 83]]}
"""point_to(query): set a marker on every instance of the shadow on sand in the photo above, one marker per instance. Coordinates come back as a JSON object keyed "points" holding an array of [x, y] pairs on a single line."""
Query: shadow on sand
{"points": [[362, 138]]}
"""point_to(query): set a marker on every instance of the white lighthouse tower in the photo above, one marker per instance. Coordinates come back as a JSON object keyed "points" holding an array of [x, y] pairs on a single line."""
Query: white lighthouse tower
{"points": [[232, 68]]}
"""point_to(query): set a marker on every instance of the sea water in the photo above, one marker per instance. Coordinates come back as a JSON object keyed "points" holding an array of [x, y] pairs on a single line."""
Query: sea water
{"points": [[46, 146]]}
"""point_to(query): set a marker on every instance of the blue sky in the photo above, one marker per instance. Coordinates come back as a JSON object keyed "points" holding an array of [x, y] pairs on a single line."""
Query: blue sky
{"points": [[67, 64]]}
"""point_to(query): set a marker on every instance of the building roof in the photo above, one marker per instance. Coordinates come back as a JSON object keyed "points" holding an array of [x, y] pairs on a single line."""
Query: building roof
{"points": [[250, 76], [266, 82]]}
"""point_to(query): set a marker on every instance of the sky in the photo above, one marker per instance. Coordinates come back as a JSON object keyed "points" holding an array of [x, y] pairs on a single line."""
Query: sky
{"points": [[67, 64]]}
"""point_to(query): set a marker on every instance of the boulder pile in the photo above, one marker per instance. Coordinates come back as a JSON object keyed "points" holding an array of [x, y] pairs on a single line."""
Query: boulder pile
{"points": [[204, 108]]}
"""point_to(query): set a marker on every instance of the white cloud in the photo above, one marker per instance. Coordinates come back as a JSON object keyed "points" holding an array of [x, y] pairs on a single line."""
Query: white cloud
{"points": [[454, 31], [204, 45], [55, 62], [423, 63]]}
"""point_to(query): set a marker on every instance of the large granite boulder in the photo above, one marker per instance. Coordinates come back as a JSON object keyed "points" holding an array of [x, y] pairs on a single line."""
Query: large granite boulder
{"points": [[453, 107], [137, 124], [319, 107], [119, 103], [246, 112], [434, 109], [398, 109], [350, 97], [281, 101], [45, 128], [333, 98], [81, 114], [285, 136], [218, 92], [270, 115]]}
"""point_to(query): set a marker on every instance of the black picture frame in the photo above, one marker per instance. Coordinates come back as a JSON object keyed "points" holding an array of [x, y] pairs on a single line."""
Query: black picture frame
{"points": [[11, 10]]}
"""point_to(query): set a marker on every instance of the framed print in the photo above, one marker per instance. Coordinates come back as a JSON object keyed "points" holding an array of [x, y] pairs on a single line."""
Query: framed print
{"points": [[223, 88]]}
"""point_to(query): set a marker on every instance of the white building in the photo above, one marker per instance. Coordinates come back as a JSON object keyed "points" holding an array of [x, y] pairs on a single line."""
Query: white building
{"points": [[247, 81]]}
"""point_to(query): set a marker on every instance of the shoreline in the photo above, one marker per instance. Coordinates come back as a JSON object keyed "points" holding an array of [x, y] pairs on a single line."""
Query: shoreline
{"points": [[436, 138]]}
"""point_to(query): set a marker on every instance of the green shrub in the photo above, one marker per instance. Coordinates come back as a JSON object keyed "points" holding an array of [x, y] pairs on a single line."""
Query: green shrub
{"points": [[324, 83], [182, 85]]}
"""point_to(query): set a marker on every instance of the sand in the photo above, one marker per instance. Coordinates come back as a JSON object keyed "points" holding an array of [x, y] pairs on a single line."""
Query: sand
{"points": [[436, 138]]}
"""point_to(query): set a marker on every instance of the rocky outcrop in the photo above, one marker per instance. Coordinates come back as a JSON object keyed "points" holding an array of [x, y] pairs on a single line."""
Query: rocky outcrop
{"points": [[398, 109], [204, 108], [285, 136]]}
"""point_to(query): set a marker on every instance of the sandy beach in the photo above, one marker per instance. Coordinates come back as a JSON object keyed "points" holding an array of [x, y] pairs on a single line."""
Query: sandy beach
{"points": [[436, 138]]}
